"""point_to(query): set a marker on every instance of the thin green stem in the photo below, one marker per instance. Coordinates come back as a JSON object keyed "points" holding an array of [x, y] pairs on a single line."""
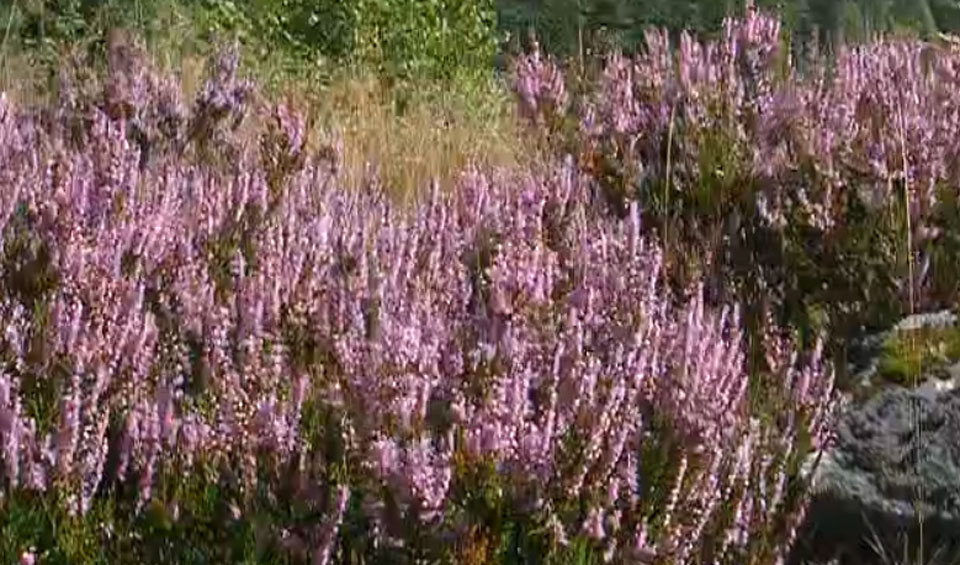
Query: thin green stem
{"points": [[666, 184], [6, 34], [912, 304]]}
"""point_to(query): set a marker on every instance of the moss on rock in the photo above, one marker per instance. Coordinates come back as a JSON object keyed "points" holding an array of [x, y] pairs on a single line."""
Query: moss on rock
{"points": [[909, 355]]}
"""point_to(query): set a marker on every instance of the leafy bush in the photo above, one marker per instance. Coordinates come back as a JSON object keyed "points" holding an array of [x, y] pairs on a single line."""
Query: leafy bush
{"points": [[402, 39], [49, 23], [436, 39]]}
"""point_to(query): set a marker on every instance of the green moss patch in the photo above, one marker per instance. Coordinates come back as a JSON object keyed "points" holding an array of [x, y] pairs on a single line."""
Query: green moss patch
{"points": [[909, 355]]}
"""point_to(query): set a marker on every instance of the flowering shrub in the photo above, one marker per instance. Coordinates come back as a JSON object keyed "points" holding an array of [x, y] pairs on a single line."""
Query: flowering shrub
{"points": [[501, 363], [786, 186]]}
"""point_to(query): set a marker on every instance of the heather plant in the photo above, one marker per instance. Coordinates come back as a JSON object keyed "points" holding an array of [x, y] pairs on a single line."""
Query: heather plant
{"points": [[238, 359], [810, 192]]}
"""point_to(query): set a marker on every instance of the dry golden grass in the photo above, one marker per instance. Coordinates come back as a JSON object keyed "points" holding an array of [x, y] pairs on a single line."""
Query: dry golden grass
{"points": [[20, 79], [433, 138], [438, 133]]}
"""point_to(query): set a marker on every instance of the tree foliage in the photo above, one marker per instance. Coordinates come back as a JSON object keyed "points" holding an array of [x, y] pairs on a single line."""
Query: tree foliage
{"points": [[443, 38], [434, 38], [563, 26]]}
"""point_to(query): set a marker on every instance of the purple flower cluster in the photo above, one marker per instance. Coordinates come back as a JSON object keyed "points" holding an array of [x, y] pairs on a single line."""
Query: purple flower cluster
{"points": [[539, 82], [199, 317], [885, 114], [725, 138]]}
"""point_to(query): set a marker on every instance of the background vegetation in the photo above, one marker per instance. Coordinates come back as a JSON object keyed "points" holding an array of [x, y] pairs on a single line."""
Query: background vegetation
{"points": [[445, 39], [414, 89], [565, 25]]}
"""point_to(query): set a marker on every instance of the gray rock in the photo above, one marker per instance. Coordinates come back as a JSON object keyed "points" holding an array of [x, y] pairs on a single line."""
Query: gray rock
{"points": [[882, 475], [942, 319], [896, 459]]}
